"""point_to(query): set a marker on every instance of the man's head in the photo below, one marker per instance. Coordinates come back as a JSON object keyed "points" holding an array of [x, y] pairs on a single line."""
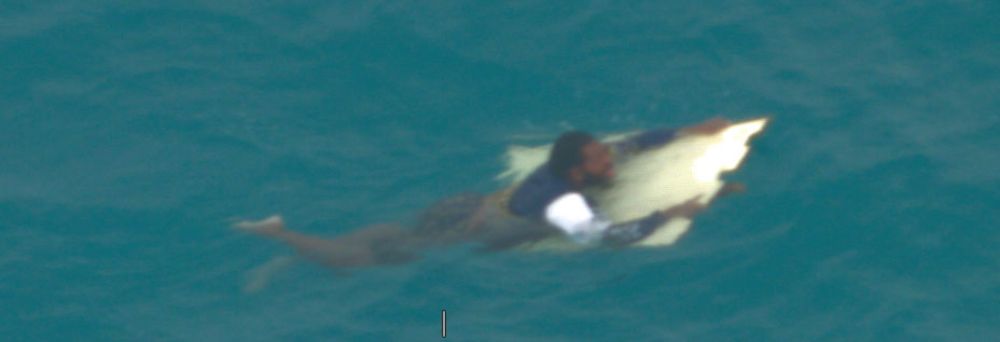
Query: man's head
{"points": [[581, 159]]}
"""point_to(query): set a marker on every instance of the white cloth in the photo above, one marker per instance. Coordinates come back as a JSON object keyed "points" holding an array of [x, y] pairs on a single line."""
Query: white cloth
{"points": [[571, 213]]}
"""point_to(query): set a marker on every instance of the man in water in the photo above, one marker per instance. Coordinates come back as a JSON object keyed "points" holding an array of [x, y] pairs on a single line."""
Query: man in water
{"points": [[554, 193], [551, 197]]}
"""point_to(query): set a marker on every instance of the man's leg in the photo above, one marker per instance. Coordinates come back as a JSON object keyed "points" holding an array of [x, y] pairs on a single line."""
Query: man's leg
{"points": [[379, 244]]}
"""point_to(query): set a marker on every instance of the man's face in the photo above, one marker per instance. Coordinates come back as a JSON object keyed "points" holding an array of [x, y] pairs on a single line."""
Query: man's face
{"points": [[597, 167]]}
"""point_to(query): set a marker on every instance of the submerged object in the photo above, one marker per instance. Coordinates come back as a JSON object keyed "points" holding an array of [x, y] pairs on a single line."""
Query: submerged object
{"points": [[689, 166]]}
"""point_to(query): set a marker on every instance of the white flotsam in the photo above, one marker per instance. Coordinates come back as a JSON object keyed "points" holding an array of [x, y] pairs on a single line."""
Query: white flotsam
{"points": [[687, 167]]}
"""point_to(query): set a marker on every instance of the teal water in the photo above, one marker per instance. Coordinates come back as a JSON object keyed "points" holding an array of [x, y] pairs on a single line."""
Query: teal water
{"points": [[133, 134]]}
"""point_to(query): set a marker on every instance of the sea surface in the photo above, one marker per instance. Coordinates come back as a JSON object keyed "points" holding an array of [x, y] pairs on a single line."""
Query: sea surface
{"points": [[132, 135]]}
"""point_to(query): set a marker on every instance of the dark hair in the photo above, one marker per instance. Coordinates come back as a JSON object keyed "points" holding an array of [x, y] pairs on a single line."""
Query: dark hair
{"points": [[567, 152]]}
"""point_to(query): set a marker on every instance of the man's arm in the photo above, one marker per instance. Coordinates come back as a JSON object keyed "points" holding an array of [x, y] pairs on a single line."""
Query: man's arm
{"points": [[644, 141], [572, 214], [625, 233], [660, 136]]}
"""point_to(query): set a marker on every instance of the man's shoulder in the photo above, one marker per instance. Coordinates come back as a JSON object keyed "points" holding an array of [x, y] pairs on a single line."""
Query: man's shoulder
{"points": [[543, 178], [537, 191]]}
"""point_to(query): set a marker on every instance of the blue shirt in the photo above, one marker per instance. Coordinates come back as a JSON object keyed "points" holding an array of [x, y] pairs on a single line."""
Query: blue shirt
{"points": [[537, 192]]}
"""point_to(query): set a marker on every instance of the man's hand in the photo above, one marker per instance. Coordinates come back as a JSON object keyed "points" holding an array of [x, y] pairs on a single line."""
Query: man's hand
{"points": [[686, 209], [731, 188], [709, 127]]}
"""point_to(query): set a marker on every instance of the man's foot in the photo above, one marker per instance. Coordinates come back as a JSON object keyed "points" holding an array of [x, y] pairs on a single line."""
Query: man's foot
{"points": [[269, 226]]}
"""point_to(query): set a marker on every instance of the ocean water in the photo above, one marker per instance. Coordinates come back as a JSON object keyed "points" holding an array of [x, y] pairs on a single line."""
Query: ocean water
{"points": [[133, 134]]}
